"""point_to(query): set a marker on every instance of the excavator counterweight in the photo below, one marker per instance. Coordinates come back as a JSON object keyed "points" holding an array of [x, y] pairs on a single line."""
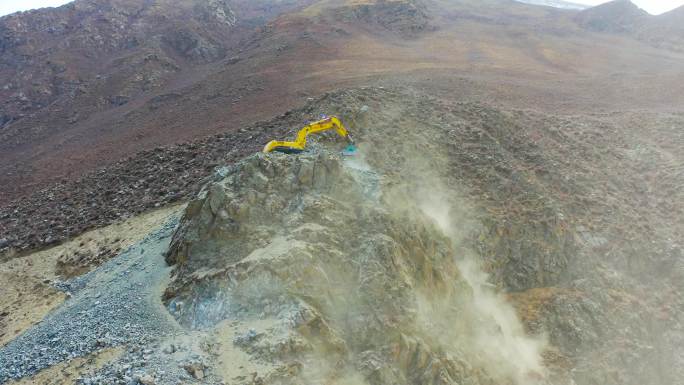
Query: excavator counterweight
{"points": [[299, 144]]}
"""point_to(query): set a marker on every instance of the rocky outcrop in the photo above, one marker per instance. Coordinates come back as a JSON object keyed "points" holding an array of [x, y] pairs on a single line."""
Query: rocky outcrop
{"points": [[353, 287], [405, 17]]}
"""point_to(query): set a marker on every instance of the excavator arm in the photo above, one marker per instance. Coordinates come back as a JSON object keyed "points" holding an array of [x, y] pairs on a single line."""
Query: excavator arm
{"points": [[299, 143]]}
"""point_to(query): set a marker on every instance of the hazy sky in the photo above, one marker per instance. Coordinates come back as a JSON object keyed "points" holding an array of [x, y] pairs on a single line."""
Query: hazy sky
{"points": [[653, 6], [9, 6]]}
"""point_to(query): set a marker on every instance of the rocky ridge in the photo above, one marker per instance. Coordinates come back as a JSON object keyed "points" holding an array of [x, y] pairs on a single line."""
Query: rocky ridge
{"points": [[345, 283], [405, 17]]}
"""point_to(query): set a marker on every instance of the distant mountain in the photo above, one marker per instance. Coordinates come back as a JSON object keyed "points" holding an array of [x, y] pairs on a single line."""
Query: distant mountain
{"points": [[618, 16], [666, 30], [675, 14], [624, 17], [555, 4]]}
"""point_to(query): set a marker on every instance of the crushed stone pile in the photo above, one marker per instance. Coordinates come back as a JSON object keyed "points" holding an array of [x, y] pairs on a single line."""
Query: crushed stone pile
{"points": [[115, 305]]}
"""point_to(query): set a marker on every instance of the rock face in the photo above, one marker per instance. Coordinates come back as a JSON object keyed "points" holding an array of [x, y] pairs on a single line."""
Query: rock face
{"points": [[405, 17], [353, 286]]}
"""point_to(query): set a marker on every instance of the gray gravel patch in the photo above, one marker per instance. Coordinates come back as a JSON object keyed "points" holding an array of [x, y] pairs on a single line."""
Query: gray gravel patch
{"points": [[116, 304], [149, 364]]}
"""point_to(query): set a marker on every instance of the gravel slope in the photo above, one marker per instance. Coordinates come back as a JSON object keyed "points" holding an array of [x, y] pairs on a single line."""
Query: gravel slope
{"points": [[113, 305]]}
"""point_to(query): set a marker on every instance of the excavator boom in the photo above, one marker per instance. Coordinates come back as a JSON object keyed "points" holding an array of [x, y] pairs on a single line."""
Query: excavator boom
{"points": [[299, 144]]}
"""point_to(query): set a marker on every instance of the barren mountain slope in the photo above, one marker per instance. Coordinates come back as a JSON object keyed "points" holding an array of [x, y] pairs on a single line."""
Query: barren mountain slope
{"points": [[666, 30], [121, 47], [507, 52], [60, 67]]}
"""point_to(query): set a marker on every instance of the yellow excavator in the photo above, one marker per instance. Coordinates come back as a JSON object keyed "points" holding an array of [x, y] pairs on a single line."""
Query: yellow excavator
{"points": [[299, 144]]}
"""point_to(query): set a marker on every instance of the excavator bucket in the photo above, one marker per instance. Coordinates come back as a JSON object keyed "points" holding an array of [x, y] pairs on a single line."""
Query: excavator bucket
{"points": [[351, 150]]}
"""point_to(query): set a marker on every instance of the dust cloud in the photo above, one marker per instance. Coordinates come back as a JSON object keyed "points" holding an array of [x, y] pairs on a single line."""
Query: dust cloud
{"points": [[481, 326], [490, 333]]}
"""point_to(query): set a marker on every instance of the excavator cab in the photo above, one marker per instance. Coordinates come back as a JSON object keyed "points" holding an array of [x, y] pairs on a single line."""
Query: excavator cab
{"points": [[299, 144]]}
